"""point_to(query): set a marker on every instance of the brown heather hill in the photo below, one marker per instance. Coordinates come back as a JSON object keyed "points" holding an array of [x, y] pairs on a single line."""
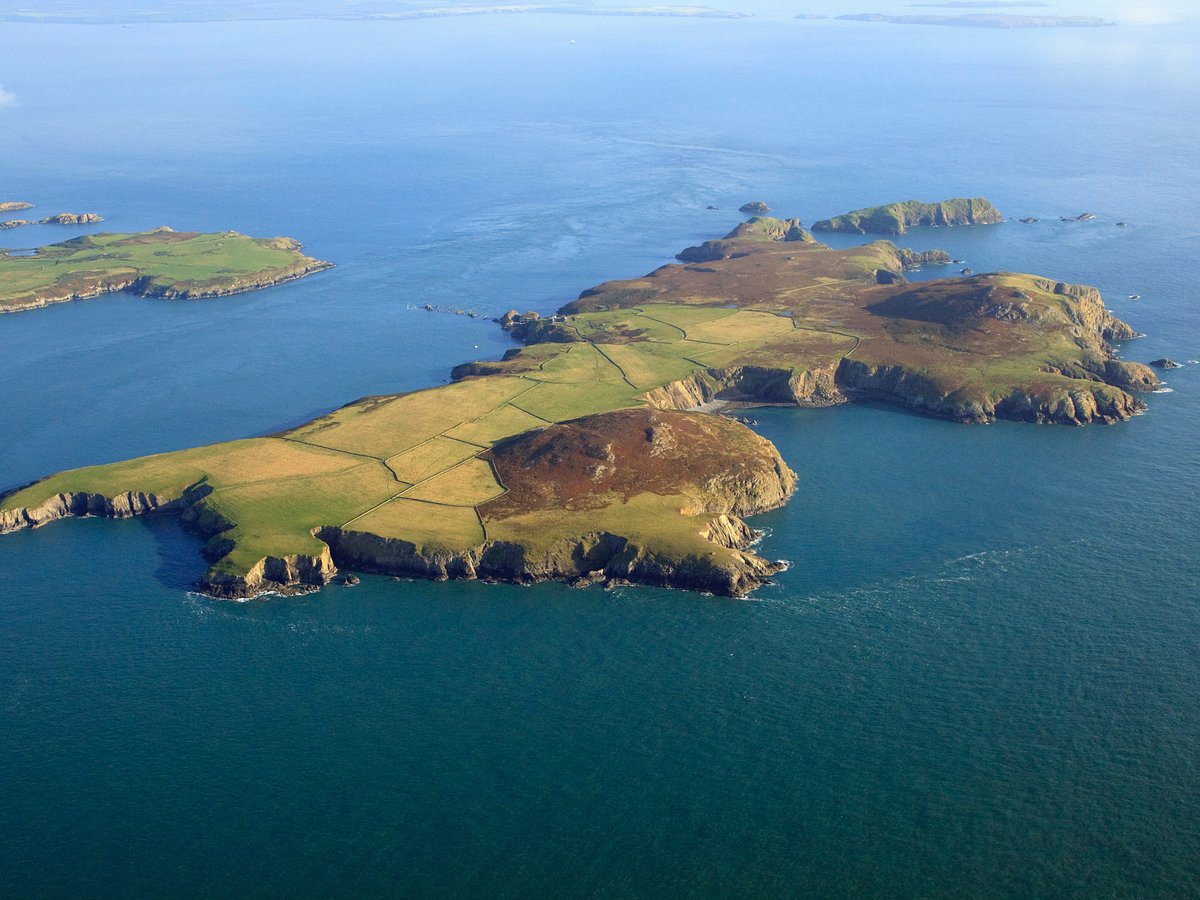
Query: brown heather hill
{"points": [[642, 495]]}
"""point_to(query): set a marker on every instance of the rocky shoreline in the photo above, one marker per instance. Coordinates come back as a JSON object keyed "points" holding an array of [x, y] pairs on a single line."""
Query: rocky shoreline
{"points": [[594, 558], [144, 286]]}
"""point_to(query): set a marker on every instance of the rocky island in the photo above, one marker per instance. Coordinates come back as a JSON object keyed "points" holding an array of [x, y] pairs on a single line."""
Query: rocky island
{"points": [[592, 454], [897, 218], [174, 265], [59, 219], [7, 206], [982, 20]]}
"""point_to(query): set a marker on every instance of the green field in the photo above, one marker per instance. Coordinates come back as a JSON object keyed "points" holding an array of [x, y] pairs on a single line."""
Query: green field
{"points": [[165, 263]]}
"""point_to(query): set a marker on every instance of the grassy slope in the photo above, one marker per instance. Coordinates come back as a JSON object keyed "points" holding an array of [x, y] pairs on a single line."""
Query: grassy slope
{"points": [[408, 466], [176, 262]]}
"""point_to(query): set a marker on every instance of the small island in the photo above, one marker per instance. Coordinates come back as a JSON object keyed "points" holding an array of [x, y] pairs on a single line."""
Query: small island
{"points": [[59, 219], [592, 453], [175, 265], [897, 218], [7, 206], [982, 20]]}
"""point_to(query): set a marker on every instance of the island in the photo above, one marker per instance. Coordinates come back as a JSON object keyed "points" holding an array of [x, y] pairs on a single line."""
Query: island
{"points": [[592, 452], [176, 265], [59, 219], [7, 206], [897, 218], [982, 20]]}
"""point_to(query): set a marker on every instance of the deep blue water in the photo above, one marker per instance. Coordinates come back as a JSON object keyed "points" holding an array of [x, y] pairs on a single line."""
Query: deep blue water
{"points": [[980, 675]]}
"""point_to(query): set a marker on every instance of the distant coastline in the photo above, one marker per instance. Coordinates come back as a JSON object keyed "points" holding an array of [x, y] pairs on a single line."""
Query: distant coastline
{"points": [[208, 12]]}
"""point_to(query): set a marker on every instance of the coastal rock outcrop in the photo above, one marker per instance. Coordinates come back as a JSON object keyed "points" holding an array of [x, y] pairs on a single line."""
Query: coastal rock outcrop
{"points": [[72, 219]]}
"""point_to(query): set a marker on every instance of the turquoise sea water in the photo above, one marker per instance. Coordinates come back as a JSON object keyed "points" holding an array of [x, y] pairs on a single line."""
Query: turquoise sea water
{"points": [[980, 676]]}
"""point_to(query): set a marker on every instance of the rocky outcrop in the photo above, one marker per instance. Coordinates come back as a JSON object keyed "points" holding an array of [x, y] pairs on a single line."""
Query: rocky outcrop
{"points": [[1099, 398], [1088, 402], [759, 228], [595, 557], [295, 574], [912, 259], [897, 218], [7, 206], [15, 223], [1089, 312], [1165, 363], [758, 207], [72, 219], [816, 387]]}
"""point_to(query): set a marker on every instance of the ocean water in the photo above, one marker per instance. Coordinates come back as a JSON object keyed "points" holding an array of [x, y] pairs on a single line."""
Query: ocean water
{"points": [[979, 677]]}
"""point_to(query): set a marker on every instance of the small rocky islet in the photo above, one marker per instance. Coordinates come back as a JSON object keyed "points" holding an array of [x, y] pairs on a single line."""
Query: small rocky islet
{"points": [[591, 453]]}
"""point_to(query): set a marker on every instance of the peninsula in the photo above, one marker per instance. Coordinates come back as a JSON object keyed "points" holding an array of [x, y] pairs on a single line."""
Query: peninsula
{"points": [[592, 454], [175, 265]]}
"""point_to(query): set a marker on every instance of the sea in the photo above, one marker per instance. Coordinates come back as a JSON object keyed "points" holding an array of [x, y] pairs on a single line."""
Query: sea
{"points": [[980, 676]]}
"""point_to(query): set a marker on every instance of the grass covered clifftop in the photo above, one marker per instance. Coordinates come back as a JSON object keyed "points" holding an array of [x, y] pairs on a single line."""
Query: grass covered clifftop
{"points": [[897, 218], [591, 453], [161, 263]]}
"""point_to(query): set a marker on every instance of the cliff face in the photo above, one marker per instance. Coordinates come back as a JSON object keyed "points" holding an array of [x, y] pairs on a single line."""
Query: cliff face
{"points": [[816, 387], [594, 557], [82, 504], [1083, 403], [897, 218], [294, 574], [72, 219]]}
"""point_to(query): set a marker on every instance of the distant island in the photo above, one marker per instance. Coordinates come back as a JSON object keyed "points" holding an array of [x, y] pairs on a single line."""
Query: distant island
{"points": [[591, 454], [161, 263], [58, 219], [897, 218], [74, 12], [979, 4], [982, 20], [14, 205]]}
